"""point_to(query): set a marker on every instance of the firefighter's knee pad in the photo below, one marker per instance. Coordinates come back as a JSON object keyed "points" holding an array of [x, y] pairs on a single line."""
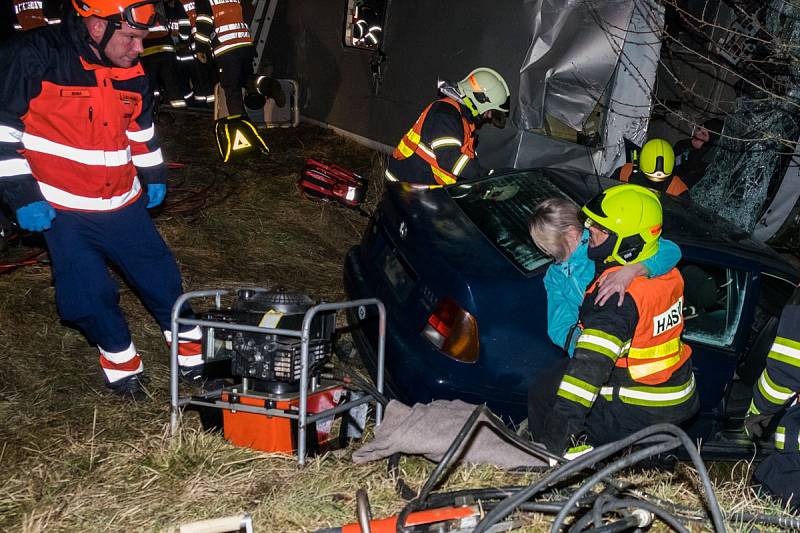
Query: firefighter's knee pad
{"points": [[237, 137]]}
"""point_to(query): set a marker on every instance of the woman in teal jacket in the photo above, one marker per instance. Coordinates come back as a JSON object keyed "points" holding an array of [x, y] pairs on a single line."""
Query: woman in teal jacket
{"points": [[558, 232]]}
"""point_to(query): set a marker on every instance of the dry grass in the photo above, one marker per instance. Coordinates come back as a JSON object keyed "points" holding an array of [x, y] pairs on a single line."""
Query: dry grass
{"points": [[75, 459]]}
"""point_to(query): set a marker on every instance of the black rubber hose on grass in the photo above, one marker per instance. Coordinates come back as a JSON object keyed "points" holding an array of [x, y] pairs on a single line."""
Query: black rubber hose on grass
{"points": [[786, 522], [616, 466], [599, 454], [663, 515], [623, 524]]}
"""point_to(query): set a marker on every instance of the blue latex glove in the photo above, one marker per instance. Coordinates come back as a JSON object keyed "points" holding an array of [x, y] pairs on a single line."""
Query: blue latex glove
{"points": [[155, 194], [35, 216]]}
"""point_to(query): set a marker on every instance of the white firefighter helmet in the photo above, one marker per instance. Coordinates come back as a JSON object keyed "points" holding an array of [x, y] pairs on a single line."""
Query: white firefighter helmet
{"points": [[484, 89]]}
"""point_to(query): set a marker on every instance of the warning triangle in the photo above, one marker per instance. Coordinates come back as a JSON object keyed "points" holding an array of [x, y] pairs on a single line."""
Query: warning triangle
{"points": [[240, 141]]}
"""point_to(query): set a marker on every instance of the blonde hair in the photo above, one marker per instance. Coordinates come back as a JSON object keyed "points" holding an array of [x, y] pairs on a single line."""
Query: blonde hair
{"points": [[549, 225]]}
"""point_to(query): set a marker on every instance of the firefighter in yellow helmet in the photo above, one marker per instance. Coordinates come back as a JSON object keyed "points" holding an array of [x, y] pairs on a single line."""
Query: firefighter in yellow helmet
{"points": [[653, 169], [440, 148], [630, 368]]}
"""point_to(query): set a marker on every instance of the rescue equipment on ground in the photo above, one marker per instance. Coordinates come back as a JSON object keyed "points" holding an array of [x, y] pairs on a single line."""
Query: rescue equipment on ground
{"points": [[325, 181], [271, 362], [568, 492], [277, 342], [238, 137]]}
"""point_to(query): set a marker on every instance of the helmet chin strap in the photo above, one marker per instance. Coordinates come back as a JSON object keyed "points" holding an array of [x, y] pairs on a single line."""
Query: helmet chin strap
{"points": [[111, 27]]}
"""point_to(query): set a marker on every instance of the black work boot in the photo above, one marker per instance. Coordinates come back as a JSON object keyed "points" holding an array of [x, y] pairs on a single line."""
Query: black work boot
{"points": [[274, 90], [130, 388]]}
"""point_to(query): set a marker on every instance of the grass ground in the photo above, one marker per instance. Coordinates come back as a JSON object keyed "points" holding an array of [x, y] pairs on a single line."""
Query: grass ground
{"points": [[75, 459]]}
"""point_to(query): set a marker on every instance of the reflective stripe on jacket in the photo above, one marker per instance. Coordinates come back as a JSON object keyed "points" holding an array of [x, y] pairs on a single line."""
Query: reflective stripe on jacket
{"points": [[413, 144], [82, 130], [645, 322], [656, 349], [230, 29], [779, 382], [30, 14]]}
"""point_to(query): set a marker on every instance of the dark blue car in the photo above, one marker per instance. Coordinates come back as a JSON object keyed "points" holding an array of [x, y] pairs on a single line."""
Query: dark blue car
{"points": [[466, 306]]}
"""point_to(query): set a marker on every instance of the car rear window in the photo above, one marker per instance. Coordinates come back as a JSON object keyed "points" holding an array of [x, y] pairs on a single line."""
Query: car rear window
{"points": [[500, 207]]}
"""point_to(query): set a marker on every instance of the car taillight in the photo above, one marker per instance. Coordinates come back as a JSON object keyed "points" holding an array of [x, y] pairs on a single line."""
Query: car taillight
{"points": [[453, 330]]}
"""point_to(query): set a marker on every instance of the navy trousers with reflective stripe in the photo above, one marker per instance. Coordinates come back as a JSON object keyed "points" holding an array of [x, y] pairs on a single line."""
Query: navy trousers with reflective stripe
{"points": [[779, 473], [82, 245]]}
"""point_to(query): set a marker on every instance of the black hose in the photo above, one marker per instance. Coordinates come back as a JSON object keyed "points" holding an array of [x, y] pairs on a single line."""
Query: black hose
{"points": [[593, 457], [786, 522], [443, 464], [711, 497], [680, 437], [400, 485], [560, 473], [614, 467], [623, 524], [536, 450], [666, 517]]}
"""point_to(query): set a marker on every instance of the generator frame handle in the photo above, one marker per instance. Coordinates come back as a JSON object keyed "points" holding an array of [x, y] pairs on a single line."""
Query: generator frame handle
{"points": [[304, 334]]}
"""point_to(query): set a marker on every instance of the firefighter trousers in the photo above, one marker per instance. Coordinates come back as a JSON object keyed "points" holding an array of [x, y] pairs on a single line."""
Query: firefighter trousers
{"points": [[235, 68], [608, 420], [164, 74], [779, 473], [82, 245]]}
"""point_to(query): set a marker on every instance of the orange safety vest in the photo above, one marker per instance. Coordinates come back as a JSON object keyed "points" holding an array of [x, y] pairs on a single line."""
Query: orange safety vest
{"points": [[656, 350], [411, 144], [676, 185]]}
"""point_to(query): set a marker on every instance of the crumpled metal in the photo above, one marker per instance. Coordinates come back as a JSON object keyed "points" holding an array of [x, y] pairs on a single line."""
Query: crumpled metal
{"points": [[573, 54]]}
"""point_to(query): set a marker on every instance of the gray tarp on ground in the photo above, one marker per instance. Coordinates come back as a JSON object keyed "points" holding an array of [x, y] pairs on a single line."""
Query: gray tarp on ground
{"points": [[429, 429]]}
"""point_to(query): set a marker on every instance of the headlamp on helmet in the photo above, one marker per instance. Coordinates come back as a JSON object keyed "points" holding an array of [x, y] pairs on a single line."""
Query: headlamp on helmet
{"points": [[634, 215], [657, 160]]}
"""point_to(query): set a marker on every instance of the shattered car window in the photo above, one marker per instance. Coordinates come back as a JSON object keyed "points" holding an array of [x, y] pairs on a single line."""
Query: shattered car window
{"points": [[500, 207]]}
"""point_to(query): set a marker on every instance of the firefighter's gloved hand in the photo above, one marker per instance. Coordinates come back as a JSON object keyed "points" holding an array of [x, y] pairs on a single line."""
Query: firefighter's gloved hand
{"points": [[756, 425], [35, 216], [155, 194]]}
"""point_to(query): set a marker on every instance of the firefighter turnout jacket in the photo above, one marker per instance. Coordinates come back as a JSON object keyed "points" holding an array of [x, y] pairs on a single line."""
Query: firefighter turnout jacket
{"points": [[36, 13], [439, 149], [220, 24], [630, 368], [673, 185], [779, 383], [779, 387], [158, 41], [98, 150]]}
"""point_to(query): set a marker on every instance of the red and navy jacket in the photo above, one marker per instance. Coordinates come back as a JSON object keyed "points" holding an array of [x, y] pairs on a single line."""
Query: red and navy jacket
{"points": [[74, 130]]}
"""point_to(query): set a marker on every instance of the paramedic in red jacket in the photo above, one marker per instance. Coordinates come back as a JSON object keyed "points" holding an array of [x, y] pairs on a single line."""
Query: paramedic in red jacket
{"points": [[80, 162]]}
